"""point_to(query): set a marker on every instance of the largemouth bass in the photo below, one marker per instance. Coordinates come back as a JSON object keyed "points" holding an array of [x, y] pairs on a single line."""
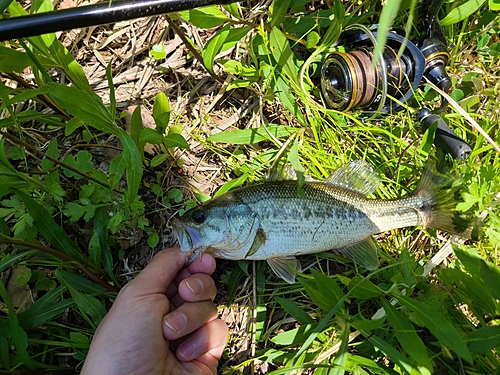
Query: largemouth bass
{"points": [[273, 222]]}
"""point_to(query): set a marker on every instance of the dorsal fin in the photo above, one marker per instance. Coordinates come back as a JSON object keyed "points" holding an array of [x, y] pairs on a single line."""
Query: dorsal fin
{"points": [[356, 176], [286, 172]]}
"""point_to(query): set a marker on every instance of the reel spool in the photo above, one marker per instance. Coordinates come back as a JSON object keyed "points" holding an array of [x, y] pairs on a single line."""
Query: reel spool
{"points": [[350, 80]]}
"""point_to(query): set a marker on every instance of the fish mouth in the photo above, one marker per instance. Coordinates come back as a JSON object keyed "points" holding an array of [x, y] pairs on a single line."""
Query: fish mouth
{"points": [[189, 239]]}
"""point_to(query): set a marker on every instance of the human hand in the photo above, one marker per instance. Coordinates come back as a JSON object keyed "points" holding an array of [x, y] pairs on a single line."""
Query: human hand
{"points": [[162, 322]]}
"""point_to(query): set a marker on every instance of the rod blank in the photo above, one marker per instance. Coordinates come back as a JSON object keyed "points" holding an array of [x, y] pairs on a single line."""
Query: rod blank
{"points": [[93, 15]]}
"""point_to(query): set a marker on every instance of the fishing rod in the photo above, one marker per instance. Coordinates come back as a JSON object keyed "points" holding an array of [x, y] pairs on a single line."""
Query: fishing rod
{"points": [[349, 80], [94, 15]]}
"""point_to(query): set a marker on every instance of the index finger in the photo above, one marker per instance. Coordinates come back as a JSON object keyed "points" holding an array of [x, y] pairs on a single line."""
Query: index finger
{"points": [[159, 273]]}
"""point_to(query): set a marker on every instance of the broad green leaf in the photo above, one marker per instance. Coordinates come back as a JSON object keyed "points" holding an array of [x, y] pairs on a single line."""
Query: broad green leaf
{"points": [[484, 339], [48, 228], [428, 138], [288, 98], [461, 12], [4, 228], [17, 332], [407, 336], [153, 239], [88, 305], [282, 53], [231, 185], [161, 112], [494, 4], [295, 311], [294, 336], [158, 52], [253, 135], [158, 160], [393, 354], [233, 9], [87, 107], [224, 39], [237, 68], [279, 10], [238, 84], [136, 128], [363, 288], [117, 168], [133, 160], [95, 249], [214, 46], [23, 277], [3, 5], [101, 224], [438, 325], [82, 162], [491, 277], [72, 125], [175, 140], [312, 39], [150, 136], [207, 17], [323, 290]]}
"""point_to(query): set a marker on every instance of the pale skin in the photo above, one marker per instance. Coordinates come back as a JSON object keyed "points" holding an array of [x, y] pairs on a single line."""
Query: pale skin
{"points": [[162, 322]]}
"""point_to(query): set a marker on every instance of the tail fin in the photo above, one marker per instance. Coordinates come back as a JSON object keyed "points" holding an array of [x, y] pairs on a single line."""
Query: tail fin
{"points": [[439, 190]]}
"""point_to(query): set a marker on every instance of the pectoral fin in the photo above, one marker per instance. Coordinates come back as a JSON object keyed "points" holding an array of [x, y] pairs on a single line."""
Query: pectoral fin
{"points": [[363, 253], [285, 267], [258, 241]]}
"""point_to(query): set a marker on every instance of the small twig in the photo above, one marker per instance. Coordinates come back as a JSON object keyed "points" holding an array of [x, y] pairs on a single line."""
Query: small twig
{"points": [[13, 241], [54, 160]]}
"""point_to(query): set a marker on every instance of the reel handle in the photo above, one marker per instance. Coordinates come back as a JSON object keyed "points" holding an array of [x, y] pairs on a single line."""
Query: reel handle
{"points": [[445, 138]]}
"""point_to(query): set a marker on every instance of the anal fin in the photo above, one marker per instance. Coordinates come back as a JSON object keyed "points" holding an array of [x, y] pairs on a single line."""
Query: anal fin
{"points": [[363, 253], [285, 267]]}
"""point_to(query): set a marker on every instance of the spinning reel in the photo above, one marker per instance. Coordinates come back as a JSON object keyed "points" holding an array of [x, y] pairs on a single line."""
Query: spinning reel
{"points": [[350, 81]]}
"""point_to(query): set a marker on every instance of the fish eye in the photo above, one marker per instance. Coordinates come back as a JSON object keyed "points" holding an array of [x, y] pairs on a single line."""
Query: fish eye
{"points": [[198, 216]]}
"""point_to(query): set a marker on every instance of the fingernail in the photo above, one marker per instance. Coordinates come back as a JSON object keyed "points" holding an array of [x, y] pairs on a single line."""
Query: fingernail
{"points": [[195, 285], [187, 350], [176, 321]]}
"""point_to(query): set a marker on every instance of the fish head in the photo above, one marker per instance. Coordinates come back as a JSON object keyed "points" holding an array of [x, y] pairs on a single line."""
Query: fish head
{"points": [[223, 228]]}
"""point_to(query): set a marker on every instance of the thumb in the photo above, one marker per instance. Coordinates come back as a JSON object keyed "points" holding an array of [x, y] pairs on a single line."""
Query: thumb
{"points": [[160, 273]]}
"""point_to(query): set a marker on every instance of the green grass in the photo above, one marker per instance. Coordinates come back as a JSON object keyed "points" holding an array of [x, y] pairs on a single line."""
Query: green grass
{"points": [[60, 228]]}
